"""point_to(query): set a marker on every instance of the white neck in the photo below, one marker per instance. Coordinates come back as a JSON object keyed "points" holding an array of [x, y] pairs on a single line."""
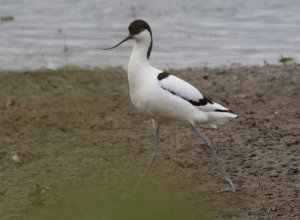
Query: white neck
{"points": [[139, 56], [138, 59], [139, 67]]}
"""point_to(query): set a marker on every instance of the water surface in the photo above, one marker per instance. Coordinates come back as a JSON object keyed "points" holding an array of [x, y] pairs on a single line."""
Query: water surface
{"points": [[186, 33]]}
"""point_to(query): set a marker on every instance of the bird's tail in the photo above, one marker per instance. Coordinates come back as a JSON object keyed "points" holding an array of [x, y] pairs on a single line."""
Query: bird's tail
{"points": [[217, 114]]}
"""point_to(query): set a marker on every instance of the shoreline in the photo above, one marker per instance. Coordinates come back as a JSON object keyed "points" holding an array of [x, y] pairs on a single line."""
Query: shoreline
{"points": [[124, 68]]}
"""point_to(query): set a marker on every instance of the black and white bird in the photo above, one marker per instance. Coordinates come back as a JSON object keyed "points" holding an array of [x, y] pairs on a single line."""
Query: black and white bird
{"points": [[166, 98]]}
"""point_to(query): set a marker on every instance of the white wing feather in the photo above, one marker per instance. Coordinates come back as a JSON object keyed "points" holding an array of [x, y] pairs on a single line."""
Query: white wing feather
{"points": [[181, 88], [188, 92]]}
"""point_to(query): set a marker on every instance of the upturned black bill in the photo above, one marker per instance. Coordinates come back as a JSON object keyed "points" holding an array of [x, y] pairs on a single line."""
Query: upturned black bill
{"points": [[127, 38]]}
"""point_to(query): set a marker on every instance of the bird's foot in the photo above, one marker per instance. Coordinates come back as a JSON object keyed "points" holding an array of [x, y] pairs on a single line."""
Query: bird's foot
{"points": [[229, 187]]}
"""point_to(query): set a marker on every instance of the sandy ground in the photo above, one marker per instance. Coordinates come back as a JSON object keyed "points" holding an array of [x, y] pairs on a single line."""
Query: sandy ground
{"points": [[72, 147]]}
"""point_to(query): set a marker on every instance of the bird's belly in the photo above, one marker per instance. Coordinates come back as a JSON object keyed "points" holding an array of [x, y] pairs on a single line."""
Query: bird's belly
{"points": [[162, 107], [139, 101]]}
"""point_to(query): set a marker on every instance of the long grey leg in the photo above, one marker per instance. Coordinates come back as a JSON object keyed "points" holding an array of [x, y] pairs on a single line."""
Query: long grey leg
{"points": [[154, 156], [229, 184]]}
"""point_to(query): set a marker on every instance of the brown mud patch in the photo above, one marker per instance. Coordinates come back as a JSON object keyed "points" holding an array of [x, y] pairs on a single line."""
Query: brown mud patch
{"points": [[73, 147]]}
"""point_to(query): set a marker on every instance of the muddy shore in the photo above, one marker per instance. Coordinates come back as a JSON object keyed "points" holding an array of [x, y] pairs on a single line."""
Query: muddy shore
{"points": [[72, 145]]}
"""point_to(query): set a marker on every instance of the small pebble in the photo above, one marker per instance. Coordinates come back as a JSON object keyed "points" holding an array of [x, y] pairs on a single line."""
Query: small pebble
{"points": [[16, 158], [10, 103]]}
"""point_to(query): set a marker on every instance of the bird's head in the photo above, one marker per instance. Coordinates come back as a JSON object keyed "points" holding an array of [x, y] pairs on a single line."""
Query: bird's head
{"points": [[139, 31]]}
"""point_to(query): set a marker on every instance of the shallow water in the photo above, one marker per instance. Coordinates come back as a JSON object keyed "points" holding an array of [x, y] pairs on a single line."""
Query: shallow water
{"points": [[186, 33]]}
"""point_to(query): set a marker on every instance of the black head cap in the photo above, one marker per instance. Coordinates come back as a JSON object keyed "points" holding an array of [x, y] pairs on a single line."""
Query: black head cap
{"points": [[137, 26]]}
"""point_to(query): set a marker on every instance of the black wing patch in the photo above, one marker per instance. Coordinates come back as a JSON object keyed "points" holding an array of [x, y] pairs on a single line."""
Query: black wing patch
{"points": [[201, 102], [163, 75]]}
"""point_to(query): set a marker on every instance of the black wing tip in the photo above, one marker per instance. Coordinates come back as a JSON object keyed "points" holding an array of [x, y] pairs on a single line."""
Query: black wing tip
{"points": [[222, 110]]}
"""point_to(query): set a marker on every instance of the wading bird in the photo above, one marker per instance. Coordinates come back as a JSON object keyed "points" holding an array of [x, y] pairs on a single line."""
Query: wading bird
{"points": [[166, 98]]}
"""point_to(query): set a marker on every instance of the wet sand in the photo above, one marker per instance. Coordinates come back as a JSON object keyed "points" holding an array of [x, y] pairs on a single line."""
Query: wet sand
{"points": [[73, 147]]}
